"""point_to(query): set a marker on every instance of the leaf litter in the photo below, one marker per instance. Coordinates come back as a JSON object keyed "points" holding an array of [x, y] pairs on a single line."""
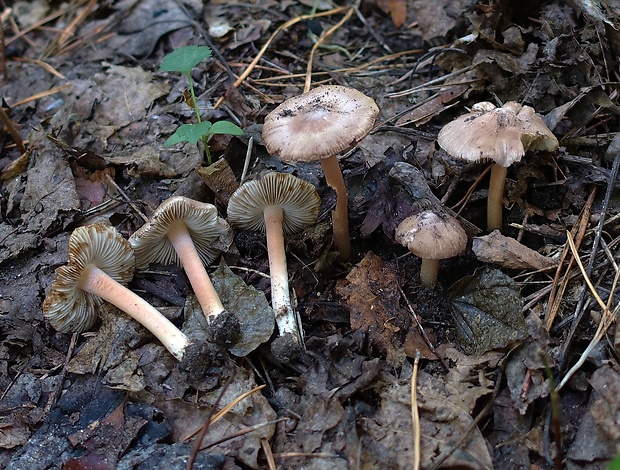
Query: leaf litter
{"points": [[94, 112]]}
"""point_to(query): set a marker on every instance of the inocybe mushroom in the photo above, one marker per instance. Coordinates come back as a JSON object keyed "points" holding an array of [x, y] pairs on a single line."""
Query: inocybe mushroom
{"points": [[499, 134], [432, 236], [278, 204], [319, 125], [100, 262], [189, 232]]}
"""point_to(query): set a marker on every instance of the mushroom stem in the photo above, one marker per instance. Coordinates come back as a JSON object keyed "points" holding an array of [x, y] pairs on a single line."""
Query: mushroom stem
{"points": [[280, 297], [495, 197], [184, 246], [340, 215], [429, 271], [97, 282]]}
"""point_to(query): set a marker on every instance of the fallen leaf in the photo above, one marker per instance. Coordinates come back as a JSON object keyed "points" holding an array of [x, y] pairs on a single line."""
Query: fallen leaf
{"points": [[487, 311], [508, 253], [372, 295]]}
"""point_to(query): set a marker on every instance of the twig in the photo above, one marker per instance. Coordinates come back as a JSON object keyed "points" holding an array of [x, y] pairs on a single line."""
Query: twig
{"points": [[271, 463], [415, 415], [320, 41], [126, 198], [606, 320], [4, 118], [422, 332], [242, 432], [579, 310], [263, 49], [246, 163]]}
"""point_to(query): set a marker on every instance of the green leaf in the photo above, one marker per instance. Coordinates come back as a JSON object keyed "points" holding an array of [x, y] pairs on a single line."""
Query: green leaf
{"points": [[225, 127], [184, 59], [614, 464], [191, 133]]}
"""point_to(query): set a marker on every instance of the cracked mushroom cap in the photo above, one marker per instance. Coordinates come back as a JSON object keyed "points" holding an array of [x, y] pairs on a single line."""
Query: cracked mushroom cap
{"points": [[432, 235], [319, 124], [210, 233], [298, 199], [67, 307], [499, 134]]}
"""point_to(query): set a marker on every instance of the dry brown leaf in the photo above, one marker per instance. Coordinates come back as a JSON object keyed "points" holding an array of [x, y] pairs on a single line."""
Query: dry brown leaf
{"points": [[372, 295], [508, 253]]}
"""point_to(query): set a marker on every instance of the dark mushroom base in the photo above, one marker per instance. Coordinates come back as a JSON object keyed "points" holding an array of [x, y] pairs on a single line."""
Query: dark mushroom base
{"points": [[286, 348], [199, 355], [225, 329]]}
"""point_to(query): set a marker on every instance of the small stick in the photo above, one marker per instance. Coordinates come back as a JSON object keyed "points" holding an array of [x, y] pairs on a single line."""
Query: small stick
{"points": [[263, 49], [415, 416]]}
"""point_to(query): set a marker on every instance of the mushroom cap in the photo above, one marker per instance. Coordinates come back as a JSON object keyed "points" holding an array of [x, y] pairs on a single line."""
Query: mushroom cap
{"points": [[499, 134], [319, 124], [432, 235], [298, 199], [210, 233], [69, 308]]}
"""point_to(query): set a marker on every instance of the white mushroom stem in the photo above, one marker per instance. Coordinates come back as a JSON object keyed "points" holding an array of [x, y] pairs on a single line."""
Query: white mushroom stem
{"points": [[203, 288], [280, 297], [340, 215], [97, 282], [495, 197], [429, 271]]}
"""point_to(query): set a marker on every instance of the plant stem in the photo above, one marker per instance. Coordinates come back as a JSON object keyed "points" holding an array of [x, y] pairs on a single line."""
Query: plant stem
{"points": [[203, 139]]}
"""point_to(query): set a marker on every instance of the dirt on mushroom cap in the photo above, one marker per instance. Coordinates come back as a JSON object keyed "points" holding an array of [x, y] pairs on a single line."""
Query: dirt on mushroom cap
{"points": [[432, 235], [499, 134], [323, 122]]}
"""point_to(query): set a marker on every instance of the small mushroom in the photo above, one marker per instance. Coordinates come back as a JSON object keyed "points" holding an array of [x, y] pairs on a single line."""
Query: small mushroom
{"points": [[278, 204], [319, 125], [499, 134], [189, 232], [431, 236], [100, 262]]}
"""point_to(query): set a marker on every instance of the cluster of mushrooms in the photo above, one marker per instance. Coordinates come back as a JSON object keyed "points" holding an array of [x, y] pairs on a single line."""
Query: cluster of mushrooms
{"points": [[192, 234]]}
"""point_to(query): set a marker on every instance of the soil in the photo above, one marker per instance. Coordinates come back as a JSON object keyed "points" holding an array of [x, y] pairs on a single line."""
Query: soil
{"points": [[510, 361]]}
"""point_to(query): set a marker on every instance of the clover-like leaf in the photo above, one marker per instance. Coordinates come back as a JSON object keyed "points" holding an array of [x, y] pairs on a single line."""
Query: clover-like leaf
{"points": [[191, 133], [184, 59], [487, 311], [225, 127]]}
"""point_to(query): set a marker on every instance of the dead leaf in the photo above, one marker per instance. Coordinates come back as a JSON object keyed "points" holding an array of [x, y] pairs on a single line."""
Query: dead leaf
{"points": [[373, 298], [508, 253], [438, 103], [487, 311]]}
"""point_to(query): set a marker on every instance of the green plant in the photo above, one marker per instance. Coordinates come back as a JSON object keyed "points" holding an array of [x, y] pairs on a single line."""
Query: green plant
{"points": [[183, 60]]}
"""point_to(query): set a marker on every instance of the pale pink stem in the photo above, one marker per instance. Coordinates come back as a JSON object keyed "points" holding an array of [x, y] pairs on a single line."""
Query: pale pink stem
{"points": [[184, 246], [280, 297], [97, 282]]}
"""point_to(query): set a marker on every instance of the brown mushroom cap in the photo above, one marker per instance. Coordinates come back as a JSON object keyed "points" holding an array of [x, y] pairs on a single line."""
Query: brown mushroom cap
{"points": [[323, 122], [210, 233], [298, 199], [432, 235], [69, 308], [499, 134]]}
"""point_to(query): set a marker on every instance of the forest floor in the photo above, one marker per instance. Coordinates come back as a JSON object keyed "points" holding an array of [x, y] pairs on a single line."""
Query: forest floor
{"points": [[513, 354]]}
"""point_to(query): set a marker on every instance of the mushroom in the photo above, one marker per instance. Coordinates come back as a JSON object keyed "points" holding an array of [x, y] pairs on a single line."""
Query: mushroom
{"points": [[100, 262], [189, 232], [499, 134], [278, 204], [432, 236], [319, 125]]}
